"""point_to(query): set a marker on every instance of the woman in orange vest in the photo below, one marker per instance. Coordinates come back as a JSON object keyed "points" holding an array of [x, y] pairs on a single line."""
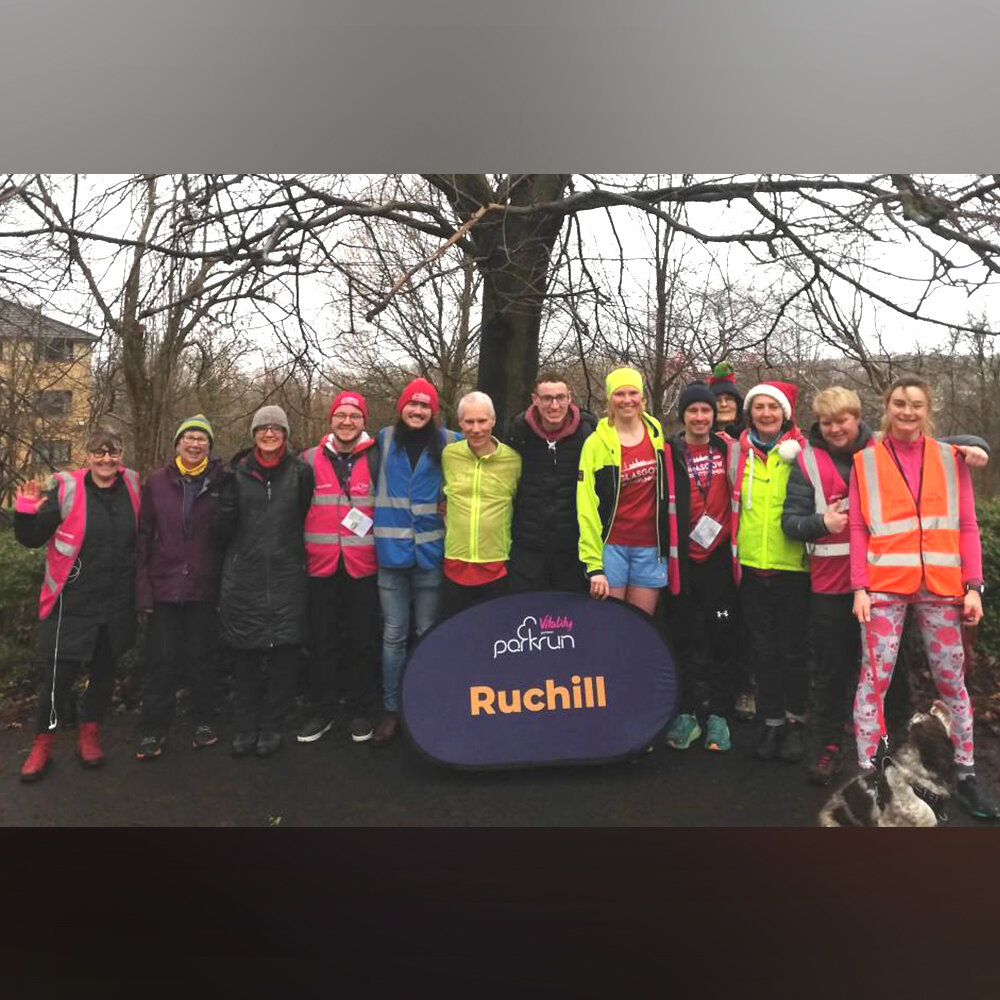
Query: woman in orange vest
{"points": [[915, 541], [87, 604]]}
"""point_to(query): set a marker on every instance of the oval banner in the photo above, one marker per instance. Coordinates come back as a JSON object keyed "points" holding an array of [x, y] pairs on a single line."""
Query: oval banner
{"points": [[538, 678]]}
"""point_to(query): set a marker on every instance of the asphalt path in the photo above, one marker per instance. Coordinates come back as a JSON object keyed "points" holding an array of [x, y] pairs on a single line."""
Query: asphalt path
{"points": [[335, 782]]}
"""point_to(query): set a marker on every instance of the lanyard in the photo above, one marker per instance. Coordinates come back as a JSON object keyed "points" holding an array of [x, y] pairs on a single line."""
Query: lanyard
{"points": [[703, 487]]}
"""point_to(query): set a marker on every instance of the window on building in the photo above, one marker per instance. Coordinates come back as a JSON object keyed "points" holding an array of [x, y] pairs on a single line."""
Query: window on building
{"points": [[54, 349], [52, 452], [54, 403]]}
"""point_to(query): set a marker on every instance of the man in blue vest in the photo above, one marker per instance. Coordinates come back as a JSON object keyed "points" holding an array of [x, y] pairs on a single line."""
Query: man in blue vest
{"points": [[409, 534]]}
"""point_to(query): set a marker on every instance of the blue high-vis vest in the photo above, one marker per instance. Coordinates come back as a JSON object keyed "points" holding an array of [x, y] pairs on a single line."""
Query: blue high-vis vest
{"points": [[408, 531]]}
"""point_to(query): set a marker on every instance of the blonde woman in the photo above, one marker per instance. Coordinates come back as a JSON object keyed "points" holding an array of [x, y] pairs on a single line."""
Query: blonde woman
{"points": [[626, 501], [915, 542]]}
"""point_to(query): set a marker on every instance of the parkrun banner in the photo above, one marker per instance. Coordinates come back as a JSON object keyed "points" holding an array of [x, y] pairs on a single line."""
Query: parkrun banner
{"points": [[538, 678]]}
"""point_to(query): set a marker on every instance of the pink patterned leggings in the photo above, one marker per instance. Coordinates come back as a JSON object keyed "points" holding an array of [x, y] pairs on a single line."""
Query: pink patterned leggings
{"points": [[941, 629]]}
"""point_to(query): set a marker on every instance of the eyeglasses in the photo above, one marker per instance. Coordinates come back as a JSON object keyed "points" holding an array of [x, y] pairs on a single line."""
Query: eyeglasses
{"points": [[107, 451], [194, 439], [549, 400], [269, 429], [349, 417]]}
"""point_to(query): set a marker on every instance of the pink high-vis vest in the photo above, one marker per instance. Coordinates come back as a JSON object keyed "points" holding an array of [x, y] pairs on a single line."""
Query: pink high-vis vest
{"points": [[830, 555], [325, 534], [64, 546]]}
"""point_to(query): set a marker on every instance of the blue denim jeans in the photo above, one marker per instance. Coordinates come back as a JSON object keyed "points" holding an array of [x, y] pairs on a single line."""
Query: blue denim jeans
{"points": [[396, 588]]}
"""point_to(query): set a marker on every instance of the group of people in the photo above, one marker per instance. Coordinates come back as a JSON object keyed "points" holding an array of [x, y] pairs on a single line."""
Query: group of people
{"points": [[756, 531]]}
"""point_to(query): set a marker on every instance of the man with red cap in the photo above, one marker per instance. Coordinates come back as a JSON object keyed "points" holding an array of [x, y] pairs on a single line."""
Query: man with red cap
{"points": [[409, 534], [340, 561]]}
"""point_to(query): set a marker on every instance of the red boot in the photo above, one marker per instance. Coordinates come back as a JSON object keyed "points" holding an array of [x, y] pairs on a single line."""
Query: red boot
{"points": [[90, 751], [38, 760]]}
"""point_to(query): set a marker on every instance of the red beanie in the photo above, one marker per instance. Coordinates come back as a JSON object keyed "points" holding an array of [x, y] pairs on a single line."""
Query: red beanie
{"points": [[418, 391], [349, 397]]}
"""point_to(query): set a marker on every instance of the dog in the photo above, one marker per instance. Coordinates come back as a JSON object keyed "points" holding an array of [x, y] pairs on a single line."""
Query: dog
{"points": [[911, 789]]}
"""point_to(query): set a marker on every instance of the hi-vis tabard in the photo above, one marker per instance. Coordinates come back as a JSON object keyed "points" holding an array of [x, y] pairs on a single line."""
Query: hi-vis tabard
{"points": [[64, 546], [326, 534], [829, 555], [911, 543], [409, 531]]}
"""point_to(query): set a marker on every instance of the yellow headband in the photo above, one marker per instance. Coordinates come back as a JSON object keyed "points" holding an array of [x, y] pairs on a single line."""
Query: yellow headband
{"points": [[622, 377]]}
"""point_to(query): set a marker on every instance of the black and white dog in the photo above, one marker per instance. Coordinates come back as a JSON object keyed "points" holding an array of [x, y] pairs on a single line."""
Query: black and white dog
{"points": [[914, 785]]}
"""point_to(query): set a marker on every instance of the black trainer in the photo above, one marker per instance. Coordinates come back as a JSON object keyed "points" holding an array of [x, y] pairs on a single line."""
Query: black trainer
{"points": [[976, 801], [314, 729], [793, 745], [362, 729], [268, 743], [243, 743], [828, 763], [769, 746], [149, 747]]}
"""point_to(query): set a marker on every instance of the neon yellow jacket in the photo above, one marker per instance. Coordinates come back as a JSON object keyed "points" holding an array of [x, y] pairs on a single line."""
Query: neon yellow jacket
{"points": [[597, 488], [757, 506], [480, 494]]}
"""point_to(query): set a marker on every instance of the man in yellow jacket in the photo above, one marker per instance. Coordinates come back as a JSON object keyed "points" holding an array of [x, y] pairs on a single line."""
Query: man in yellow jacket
{"points": [[480, 482]]}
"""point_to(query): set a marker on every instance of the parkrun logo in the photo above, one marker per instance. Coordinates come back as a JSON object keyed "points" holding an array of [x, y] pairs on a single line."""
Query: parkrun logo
{"points": [[527, 640], [534, 635], [586, 692]]}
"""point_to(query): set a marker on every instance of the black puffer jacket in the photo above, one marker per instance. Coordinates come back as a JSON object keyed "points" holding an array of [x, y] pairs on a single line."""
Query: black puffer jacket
{"points": [[545, 506], [261, 511], [799, 518]]}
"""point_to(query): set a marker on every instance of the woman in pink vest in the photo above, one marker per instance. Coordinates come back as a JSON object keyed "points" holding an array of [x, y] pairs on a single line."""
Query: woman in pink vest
{"points": [[87, 605]]}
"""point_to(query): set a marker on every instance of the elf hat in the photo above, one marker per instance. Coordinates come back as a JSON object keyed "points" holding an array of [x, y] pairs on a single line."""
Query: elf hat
{"points": [[722, 381]]}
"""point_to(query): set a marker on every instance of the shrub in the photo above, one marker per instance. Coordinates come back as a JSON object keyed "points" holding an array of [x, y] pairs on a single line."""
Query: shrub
{"points": [[20, 578], [988, 514]]}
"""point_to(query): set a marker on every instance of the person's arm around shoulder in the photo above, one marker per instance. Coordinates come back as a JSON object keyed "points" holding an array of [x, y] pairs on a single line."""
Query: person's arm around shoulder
{"points": [[974, 449]]}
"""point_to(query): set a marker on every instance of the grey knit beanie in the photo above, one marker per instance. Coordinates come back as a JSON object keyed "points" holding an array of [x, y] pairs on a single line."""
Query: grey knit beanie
{"points": [[270, 415]]}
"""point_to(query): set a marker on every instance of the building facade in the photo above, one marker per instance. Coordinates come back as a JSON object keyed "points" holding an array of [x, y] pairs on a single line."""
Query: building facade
{"points": [[46, 388]]}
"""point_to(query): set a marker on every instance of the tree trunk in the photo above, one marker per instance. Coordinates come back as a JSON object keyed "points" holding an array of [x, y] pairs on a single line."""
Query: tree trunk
{"points": [[513, 254]]}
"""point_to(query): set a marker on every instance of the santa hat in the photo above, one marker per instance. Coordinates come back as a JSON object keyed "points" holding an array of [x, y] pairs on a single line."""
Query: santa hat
{"points": [[783, 393], [349, 397], [418, 391]]}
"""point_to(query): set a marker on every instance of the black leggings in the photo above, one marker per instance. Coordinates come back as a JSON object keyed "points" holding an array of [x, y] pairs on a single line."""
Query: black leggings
{"points": [[101, 674]]}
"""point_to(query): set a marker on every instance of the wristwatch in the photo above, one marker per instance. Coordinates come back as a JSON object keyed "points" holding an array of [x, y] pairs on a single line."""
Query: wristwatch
{"points": [[977, 587]]}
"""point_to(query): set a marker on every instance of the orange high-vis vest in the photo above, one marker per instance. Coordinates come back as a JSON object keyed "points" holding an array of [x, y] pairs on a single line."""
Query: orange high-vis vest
{"points": [[910, 546]]}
